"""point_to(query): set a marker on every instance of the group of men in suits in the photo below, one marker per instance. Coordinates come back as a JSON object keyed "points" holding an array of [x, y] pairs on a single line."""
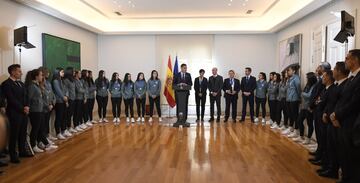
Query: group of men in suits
{"points": [[216, 85], [337, 118]]}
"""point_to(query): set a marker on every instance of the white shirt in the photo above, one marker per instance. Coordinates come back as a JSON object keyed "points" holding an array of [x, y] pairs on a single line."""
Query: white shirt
{"points": [[340, 81], [355, 72]]}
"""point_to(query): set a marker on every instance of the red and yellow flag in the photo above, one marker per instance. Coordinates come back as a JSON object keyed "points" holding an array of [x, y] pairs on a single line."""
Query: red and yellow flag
{"points": [[169, 92]]}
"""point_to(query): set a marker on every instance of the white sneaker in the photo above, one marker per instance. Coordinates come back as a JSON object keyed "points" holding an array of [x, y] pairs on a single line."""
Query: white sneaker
{"points": [[52, 138], [127, 120], [142, 119], [293, 135], [41, 145], [132, 120], [83, 126], [101, 120], [105, 120], [283, 127], [306, 141], [160, 119], [94, 122], [298, 139], [118, 120], [79, 129], [61, 137], [36, 149], [150, 119], [270, 122], [67, 133], [263, 120], [114, 120], [138, 120], [72, 130], [89, 124], [279, 127], [50, 141], [256, 120], [274, 126], [50, 147], [286, 131]]}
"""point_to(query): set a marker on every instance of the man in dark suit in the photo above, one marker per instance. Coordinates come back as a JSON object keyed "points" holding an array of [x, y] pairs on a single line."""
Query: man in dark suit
{"points": [[182, 79], [315, 95], [248, 86], [332, 149], [345, 115], [215, 87], [231, 89], [200, 86], [325, 101], [2, 101], [17, 110]]}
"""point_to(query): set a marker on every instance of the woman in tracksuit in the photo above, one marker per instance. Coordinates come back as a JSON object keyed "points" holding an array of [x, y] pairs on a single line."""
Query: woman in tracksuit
{"points": [[70, 109], [305, 113], [273, 91], [91, 96], [80, 100], [51, 101], [116, 97], [293, 97], [37, 103], [154, 89], [282, 107], [140, 87], [102, 87], [84, 82], [260, 97], [61, 102], [127, 91]]}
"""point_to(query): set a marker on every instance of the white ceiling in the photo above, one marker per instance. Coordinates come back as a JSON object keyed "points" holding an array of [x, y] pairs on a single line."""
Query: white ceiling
{"points": [[178, 16], [180, 8]]}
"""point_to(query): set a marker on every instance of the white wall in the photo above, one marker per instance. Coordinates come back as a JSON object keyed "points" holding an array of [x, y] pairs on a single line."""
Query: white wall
{"points": [[314, 20], [13, 15]]}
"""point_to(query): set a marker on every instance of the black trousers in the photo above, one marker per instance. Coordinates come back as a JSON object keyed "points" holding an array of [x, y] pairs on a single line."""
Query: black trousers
{"points": [[90, 106], [18, 127], [293, 113], [332, 151], [282, 109], [305, 114], [318, 132], [200, 105], [85, 112], [273, 109], [250, 100], [348, 155], [231, 100], [102, 104], [155, 100], [140, 106], [260, 102], [47, 122], [129, 105], [78, 115], [37, 120], [214, 100], [70, 110], [116, 106], [60, 115]]}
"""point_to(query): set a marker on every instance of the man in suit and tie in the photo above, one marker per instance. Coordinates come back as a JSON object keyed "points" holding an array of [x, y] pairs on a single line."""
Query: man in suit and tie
{"points": [[17, 110], [200, 86], [231, 89], [248, 86], [215, 87], [183, 78], [344, 116]]}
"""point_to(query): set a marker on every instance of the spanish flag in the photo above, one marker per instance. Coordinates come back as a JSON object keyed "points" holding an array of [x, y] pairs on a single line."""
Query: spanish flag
{"points": [[169, 92]]}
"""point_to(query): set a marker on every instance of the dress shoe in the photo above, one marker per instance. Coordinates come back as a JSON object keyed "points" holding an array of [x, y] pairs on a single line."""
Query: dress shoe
{"points": [[2, 164], [242, 120], [25, 155], [234, 120], [322, 169], [218, 120], [312, 153], [211, 120], [15, 160], [225, 120], [329, 174]]}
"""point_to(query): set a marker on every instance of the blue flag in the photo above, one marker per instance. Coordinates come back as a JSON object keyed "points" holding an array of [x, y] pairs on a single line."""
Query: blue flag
{"points": [[176, 67]]}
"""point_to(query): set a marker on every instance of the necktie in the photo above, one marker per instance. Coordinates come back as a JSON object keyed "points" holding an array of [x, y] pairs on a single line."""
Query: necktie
{"points": [[18, 83], [351, 78]]}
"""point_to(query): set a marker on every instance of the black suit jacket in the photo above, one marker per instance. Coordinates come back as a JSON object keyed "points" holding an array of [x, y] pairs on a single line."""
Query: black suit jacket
{"points": [[347, 108], [15, 96], [333, 98], [2, 99], [315, 94], [178, 79], [203, 86], [325, 99], [227, 86], [216, 84], [248, 86]]}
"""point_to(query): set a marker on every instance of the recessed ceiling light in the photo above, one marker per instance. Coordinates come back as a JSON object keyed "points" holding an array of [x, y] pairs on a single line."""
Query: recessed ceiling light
{"points": [[229, 4]]}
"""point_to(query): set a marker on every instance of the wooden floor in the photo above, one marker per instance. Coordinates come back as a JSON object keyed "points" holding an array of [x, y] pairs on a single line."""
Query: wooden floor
{"points": [[158, 153]]}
